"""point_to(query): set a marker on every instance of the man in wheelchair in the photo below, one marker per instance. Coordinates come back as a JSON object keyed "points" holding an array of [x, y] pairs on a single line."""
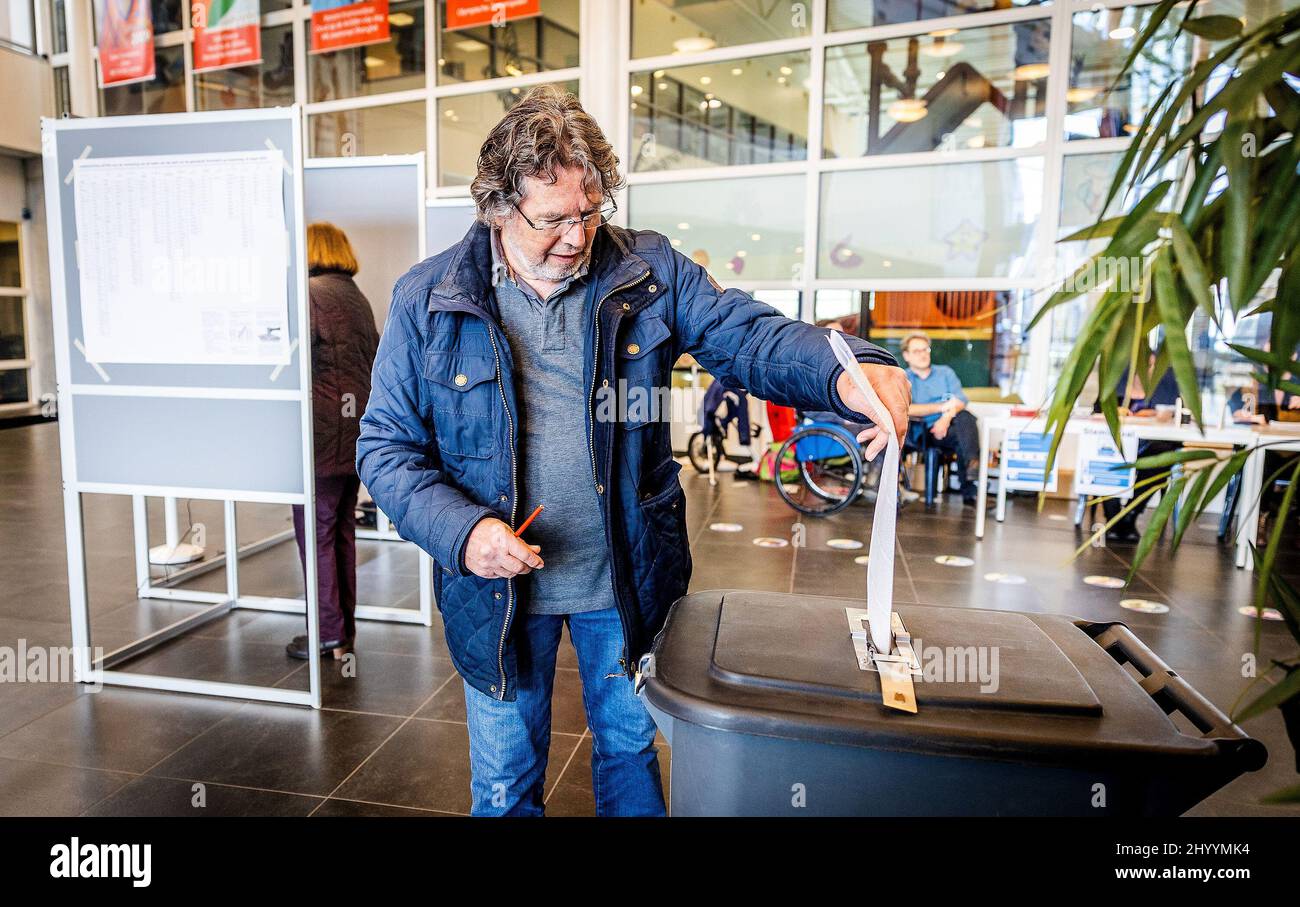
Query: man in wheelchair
{"points": [[939, 413]]}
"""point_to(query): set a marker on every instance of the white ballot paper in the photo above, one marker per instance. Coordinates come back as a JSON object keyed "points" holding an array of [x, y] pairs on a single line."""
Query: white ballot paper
{"points": [[880, 565], [183, 258]]}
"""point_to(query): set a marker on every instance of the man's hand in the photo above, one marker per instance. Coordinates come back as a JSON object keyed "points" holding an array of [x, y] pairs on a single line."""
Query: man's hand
{"points": [[891, 385], [493, 552], [940, 428]]}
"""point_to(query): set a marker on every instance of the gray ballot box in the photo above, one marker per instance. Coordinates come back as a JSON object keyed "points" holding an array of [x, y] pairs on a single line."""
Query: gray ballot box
{"points": [[768, 713]]}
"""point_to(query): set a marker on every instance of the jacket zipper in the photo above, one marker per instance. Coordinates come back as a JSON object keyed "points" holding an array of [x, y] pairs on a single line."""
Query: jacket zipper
{"points": [[591, 434], [510, 589]]}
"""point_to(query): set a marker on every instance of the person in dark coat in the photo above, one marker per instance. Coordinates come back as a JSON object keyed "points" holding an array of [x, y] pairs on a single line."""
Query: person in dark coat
{"points": [[343, 344]]}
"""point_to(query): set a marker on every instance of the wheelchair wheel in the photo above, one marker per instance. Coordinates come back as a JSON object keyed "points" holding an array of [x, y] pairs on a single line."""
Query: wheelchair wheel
{"points": [[697, 450], [830, 471]]}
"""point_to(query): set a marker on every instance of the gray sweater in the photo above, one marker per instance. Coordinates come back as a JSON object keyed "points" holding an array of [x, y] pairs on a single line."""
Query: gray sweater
{"points": [[548, 341]]}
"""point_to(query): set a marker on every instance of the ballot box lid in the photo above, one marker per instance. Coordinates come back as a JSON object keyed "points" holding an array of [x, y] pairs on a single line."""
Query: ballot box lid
{"points": [[997, 684]]}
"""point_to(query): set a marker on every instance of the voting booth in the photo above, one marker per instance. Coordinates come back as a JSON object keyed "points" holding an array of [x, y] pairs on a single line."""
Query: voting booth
{"points": [[379, 203], [446, 223], [180, 308]]}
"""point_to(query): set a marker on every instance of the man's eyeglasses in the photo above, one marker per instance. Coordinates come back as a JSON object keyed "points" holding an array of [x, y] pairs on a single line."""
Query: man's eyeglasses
{"points": [[560, 225]]}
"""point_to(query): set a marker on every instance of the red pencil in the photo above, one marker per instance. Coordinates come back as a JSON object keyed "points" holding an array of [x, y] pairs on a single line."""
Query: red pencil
{"points": [[532, 516]]}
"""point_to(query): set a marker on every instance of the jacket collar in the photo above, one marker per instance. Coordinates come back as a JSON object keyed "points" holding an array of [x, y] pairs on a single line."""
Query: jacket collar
{"points": [[467, 283]]}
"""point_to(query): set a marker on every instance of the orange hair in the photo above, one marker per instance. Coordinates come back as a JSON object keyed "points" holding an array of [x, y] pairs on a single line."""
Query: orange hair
{"points": [[328, 248]]}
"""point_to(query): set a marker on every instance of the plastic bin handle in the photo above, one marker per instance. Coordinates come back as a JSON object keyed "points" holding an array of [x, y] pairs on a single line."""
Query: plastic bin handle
{"points": [[1174, 694]]}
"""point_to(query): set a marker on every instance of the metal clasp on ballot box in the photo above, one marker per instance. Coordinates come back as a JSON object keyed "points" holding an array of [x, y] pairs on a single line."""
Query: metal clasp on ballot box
{"points": [[896, 668]]}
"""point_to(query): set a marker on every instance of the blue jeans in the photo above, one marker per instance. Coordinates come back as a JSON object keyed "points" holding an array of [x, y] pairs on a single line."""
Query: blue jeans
{"points": [[509, 741]]}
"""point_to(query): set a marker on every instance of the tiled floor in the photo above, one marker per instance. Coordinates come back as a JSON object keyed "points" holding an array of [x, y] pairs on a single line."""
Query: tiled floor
{"points": [[392, 740]]}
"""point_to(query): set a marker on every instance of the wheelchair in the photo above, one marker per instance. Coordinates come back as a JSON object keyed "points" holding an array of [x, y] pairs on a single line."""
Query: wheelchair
{"points": [[828, 469]]}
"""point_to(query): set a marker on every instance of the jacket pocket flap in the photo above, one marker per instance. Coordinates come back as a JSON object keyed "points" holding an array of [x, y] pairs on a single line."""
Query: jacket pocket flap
{"points": [[646, 333], [459, 371]]}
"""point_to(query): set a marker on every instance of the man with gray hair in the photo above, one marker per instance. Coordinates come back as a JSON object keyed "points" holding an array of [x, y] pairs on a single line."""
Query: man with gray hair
{"points": [[490, 397]]}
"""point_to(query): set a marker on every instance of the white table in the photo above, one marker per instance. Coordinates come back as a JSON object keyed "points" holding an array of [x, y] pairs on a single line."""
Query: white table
{"points": [[1146, 429], [1252, 478]]}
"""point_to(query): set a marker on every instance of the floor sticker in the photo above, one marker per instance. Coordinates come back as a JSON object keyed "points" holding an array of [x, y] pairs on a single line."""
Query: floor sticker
{"points": [[770, 542], [844, 544], [861, 560], [726, 527], [1268, 613], [1006, 579], [1106, 582], [953, 560], [1146, 607]]}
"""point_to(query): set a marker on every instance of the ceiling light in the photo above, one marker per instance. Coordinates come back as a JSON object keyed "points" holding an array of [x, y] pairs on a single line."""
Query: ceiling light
{"points": [[907, 110], [780, 80], [513, 70], [755, 237], [636, 90], [1123, 33], [786, 70], [449, 112], [975, 141], [1079, 95], [401, 20], [663, 86], [736, 70], [715, 103], [1031, 72], [676, 242], [373, 62], [943, 33], [694, 45], [659, 73], [683, 226], [706, 80], [740, 253], [704, 105], [470, 46], [939, 76]]}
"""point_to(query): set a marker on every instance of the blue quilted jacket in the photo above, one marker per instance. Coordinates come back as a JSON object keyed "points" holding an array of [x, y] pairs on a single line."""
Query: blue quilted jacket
{"points": [[438, 439]]}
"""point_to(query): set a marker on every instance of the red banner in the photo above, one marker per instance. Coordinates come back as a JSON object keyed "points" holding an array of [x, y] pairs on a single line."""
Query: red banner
{"points": [[226, 34], [125, 42], [468, 13], [336, 24]]}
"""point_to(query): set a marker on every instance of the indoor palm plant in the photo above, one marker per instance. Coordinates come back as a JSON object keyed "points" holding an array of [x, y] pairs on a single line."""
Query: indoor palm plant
{"points": [[1220, 229]]}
